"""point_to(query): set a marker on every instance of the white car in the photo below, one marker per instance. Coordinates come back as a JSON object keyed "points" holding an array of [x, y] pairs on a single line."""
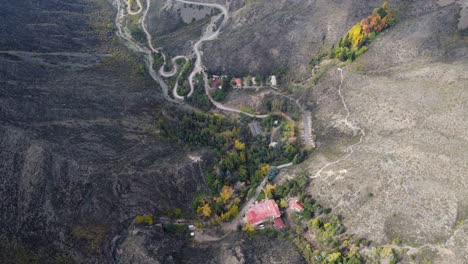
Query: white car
{"points": [[191, 227]]}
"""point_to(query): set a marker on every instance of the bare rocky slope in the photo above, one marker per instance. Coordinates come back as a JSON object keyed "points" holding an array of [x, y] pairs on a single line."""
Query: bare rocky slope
{"points": [[150, 246], [77, 163], [407, 178]]}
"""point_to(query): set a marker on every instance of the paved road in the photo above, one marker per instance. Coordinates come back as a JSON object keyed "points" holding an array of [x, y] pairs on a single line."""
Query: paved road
{"points": [[284, 165], [208, 35], [174, 66], [124, 33], [220, 105]]}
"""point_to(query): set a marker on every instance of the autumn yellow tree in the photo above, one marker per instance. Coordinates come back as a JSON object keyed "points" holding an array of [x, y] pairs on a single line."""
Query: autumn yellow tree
{"points": [[355, 35], [264, 169], [249, 227], [207, 210], [269, 189], [226, 193], [204, 209], [233, 212], [239, 145], [332, 258], [385, 5], [283, 203], [145, 219]]}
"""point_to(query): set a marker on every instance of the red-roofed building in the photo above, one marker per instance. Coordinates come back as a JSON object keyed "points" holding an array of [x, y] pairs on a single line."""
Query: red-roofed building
{"points": [[279, 223], [295, 205], [266, 210], [215, 81], [238, 82]]}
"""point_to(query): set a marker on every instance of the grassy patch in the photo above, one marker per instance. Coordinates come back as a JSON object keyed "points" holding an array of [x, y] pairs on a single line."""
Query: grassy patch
{"points": [[92, 236]]}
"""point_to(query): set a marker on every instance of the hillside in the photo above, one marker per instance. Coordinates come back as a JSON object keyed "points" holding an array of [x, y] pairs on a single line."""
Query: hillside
{"points": [[89, 130]]}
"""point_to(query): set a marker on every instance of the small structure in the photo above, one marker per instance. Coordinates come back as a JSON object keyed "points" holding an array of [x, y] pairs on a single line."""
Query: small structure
{"points": [[255, 129], [279, 223], [272, 172], [238, 82], [265, 211], [273, 80], [216, 81], [296, 206], [273, 145]]}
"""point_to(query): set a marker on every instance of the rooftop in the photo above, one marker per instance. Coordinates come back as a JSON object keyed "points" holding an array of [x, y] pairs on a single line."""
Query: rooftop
{"points": [[279, 223], [296, 205], [263, 211]]}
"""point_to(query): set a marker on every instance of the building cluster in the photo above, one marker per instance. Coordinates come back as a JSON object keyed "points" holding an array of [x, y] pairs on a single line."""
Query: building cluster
{"points": [[217, 81], [267, 211], [239, 82]]}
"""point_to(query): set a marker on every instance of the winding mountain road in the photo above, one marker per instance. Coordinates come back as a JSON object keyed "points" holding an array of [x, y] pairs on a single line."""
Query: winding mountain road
{"points": [[208, 35], [174, 67], [223, 107], [124, 33], [129, 8]]}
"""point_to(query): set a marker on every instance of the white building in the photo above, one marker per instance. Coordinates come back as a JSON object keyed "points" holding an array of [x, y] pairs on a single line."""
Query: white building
{"points": [[273, 80]]}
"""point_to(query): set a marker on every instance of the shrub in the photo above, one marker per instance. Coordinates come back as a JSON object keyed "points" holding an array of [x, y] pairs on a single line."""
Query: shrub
{"points": [[247, 110], [145, 219]]}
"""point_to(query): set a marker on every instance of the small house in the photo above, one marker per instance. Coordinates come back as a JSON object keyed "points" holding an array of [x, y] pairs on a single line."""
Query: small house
{"points": [[265, 211], [273, 80], [279, 223], [296, 206], [216, 81], [238, 82]]}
